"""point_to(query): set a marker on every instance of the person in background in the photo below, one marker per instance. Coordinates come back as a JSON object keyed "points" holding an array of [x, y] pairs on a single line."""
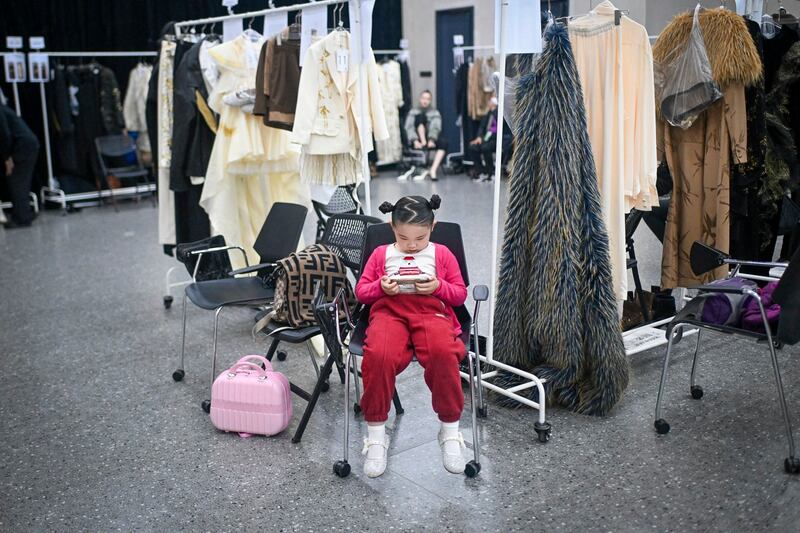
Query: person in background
{"points": [[18, 151], [424, 128], [483, 146]]}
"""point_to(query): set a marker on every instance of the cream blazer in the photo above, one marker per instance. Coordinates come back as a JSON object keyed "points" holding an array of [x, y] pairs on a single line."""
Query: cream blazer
{"points": [[328, 119]]}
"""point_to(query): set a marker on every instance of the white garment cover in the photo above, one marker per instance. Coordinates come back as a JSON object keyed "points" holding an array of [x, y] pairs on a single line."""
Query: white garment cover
{"points": [[133, 107], [391, 150], [615, 64]]}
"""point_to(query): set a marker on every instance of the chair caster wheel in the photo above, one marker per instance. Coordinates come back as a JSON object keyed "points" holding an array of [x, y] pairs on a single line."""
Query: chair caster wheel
{"points": [[325, 386], [482, 411], [341, 468], [662, 428], [281, 356], [472, 468], [206, 406], [777, 344], [697, 392], [356, 408], [167, 302], [178, 374], [791, 465], [543, 430]]}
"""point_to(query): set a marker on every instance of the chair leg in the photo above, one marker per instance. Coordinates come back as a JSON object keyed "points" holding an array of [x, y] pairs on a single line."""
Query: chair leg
{"points": [[214, 353], [356, 374], [696, 390], [474, 466], [791, 463], [398, 407], [660, 424], [347, 361], [322, 378], [272, 348], [183, 335]]}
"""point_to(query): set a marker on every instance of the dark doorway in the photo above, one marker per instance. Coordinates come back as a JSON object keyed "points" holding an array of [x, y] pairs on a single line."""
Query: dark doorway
{"points": [[449, 23]]}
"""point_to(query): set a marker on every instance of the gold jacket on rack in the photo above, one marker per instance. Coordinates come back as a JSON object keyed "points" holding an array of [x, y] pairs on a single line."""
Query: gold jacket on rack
{"points": [[328, 119]]}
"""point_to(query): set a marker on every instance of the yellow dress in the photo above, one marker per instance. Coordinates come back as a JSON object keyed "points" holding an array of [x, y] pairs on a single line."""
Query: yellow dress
{"points": [[251, 166]]}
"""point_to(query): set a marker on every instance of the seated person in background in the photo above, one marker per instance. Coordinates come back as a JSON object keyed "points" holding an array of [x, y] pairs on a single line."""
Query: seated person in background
{"points": [[423, 127], [19, 149], [483, 146]]}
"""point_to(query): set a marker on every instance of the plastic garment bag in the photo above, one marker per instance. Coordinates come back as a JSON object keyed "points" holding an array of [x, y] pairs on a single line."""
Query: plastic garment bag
{"points": [[684, 84]]}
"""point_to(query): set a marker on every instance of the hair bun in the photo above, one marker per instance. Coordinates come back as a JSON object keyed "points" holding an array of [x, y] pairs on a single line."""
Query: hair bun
{"points": [[435, 201], [386, 207]]}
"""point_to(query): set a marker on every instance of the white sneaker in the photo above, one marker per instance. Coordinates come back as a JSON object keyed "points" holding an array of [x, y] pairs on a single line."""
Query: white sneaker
{"points": [[376, 456], [407, 174], [451, 447], [421, 177]]}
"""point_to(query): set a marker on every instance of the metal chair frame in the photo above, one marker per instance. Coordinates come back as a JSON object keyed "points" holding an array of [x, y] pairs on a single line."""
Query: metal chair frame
{"points": [[791, 463]]}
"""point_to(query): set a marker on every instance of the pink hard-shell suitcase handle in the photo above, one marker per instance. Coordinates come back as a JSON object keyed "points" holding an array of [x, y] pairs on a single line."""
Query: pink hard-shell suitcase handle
{"points": [[249, 366], [261, 358]]}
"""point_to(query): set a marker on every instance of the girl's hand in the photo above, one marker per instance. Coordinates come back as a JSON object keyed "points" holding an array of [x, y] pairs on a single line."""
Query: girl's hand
{"points": [[390, 287], [427, 287]]}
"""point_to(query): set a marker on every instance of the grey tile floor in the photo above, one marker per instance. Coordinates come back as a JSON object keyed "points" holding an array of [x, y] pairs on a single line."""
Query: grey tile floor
{"points": [[97, 437]]}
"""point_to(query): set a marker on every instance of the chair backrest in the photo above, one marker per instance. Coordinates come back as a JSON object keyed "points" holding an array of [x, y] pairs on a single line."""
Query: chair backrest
{"points": [[445, 233], [345, 235], [281, 231], [111, 149], [341, 201]]}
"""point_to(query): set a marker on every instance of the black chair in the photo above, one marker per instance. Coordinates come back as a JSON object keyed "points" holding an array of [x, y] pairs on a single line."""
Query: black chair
{"points": [[341, 202], [344, 235], [447, 234], [113, 154], [704, 259], [279, 237]]}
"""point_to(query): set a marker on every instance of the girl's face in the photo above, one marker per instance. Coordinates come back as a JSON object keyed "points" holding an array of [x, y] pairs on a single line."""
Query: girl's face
{"points": [[411, 238]]}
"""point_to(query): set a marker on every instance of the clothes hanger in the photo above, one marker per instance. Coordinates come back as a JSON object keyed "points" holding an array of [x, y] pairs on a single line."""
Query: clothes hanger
{"points": [[250, 33]]}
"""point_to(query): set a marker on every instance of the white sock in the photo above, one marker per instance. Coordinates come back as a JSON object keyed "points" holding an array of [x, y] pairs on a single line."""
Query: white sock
{"points": [[450, 429], [376, 434]]}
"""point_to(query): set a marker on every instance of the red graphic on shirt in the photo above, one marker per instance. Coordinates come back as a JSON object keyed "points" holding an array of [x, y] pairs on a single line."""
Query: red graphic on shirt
{"points": [[409, 267]]}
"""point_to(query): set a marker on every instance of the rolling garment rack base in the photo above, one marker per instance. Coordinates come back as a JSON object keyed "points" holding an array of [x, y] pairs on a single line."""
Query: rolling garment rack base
{"points": [[52, 193]]}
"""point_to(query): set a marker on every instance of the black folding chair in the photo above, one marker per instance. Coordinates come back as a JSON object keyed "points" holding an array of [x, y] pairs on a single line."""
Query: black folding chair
{"points": [[114, 153], [704, 259], [447, 234], [632, 220], [344, 235], [279, 236], [341, 202]]}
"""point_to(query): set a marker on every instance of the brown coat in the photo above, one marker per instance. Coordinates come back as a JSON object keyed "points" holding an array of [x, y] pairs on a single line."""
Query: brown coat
{"points": [[277, 82], [700, 157]]}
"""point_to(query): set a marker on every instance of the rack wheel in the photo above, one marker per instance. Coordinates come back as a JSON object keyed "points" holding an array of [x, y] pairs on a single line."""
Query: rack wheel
{"points": [[792, 465], [281, 356], [472, 468], [356, 408], [178, 374], [543, 430], [697, 392], [777, 344], [341, 468], [482, 411], [325, 386], [206, 406], [167, 302], [662, 428]]}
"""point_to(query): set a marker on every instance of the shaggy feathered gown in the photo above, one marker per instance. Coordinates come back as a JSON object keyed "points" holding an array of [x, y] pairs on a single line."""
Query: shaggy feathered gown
{"points": [[556, 311]]}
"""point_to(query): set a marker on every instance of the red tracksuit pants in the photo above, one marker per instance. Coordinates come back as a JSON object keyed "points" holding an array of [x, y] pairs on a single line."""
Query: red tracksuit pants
{"points": [[403, 325]]}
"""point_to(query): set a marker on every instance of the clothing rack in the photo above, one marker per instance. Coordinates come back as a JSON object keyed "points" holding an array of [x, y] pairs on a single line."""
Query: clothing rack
{"points": [[461, 153], [249, 14], [355, 32], [53, 193]]}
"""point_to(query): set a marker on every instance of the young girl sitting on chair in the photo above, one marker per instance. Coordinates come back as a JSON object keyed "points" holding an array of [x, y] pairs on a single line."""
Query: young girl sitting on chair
{"points": [[412, 287]]}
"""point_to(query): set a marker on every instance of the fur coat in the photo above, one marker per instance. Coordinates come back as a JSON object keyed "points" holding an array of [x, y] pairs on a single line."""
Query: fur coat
{"points": [[556, 312]]}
